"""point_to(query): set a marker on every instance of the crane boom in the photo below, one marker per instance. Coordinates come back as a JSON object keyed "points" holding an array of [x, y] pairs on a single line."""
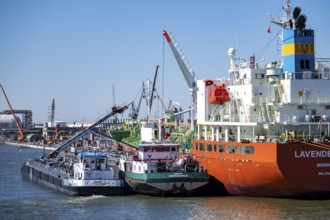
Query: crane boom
{"points": [[21, 137], [153, 89], [135, 112], [183, 63], [187, 72], [91, 128], [143, 95]]}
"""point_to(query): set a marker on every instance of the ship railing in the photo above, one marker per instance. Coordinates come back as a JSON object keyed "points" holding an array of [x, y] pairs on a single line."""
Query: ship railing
{"points": [[310, 99], [267, 100], [323, 74], [282, 137], [291, 118], [235, 82], [273, 118], [244, 138], [305, 98]]}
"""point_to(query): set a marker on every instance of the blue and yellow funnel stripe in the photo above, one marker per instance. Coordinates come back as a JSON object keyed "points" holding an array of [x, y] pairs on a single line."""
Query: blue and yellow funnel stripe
{"points": [[291, 49]]}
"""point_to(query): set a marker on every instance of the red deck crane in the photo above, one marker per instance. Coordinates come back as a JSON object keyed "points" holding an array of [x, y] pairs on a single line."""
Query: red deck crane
{"points": [[21, 135]]}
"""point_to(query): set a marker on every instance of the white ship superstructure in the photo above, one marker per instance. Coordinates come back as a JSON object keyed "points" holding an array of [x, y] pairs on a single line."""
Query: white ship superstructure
{"points": [[286, 99]]}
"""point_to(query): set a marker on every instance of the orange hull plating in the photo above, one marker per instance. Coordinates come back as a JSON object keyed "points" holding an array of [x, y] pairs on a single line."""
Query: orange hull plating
{"points": [[272, 170]]}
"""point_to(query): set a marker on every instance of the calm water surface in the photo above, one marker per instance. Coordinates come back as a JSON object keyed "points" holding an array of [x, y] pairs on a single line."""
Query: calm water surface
{"points": [[21, 199]]}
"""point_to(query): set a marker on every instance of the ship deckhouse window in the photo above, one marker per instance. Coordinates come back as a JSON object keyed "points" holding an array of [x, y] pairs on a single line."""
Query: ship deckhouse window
{"points": [[209, 147], [232, 149], [221, 148], [307, 64], [247, 150], [259, 75], [302, 64], [201, 147], [196, 146], [215, 148]]}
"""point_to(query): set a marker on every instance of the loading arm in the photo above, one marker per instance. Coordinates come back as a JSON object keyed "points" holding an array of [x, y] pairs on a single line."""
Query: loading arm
{"points": [[91, 128]]}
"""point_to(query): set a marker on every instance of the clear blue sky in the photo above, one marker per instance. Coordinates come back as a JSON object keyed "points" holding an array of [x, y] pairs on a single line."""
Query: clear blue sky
{"points": [[75, 50]]}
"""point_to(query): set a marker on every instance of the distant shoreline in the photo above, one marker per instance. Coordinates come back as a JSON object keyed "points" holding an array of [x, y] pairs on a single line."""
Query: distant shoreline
{"points": [[29, 145]]}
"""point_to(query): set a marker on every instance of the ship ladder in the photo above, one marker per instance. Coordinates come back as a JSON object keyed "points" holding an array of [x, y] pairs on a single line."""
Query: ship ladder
{"points": [[264, 111], [281, 94], [241, 110]]}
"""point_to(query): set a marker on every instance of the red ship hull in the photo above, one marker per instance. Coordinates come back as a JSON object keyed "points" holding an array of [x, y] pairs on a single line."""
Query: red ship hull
{"points": [[300, 170]]}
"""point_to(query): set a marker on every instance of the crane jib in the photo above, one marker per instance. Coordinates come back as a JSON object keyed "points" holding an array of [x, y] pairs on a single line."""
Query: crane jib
{"points": [[186, 69], [86, 130]]}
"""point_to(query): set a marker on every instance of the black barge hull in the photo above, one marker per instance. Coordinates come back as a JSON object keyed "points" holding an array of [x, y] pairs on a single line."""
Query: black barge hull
{"points": [[55, 181]]}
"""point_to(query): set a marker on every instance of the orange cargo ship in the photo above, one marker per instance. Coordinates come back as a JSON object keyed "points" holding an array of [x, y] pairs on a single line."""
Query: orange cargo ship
{"points": [[268, 169], [265, 130]]}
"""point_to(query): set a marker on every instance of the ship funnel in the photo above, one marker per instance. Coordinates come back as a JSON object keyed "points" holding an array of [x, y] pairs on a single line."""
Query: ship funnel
{"points": [[301, 22], [296, 12]]}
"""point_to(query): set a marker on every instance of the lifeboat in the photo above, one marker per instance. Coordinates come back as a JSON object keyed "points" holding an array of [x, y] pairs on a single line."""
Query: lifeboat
{"points": [[219, 95]]}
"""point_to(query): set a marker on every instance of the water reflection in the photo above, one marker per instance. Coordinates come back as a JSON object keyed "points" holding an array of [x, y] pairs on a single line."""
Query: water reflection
{"points": [[260, 208]]}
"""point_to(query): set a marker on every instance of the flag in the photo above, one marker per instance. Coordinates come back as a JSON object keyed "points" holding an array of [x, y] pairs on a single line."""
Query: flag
{"points": [[268, 29]]}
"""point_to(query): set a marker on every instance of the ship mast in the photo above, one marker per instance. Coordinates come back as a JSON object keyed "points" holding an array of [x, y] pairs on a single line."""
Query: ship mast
{"points": [[286, 11], [284, 23]]}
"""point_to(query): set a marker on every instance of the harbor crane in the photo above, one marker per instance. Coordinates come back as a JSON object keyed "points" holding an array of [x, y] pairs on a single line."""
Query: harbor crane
{"points": [[21, 135], [152, 92], [187, 71], [135, 111]]}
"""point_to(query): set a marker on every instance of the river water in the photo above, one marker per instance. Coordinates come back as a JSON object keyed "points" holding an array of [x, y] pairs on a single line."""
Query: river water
{"points": [[20, 199]]}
